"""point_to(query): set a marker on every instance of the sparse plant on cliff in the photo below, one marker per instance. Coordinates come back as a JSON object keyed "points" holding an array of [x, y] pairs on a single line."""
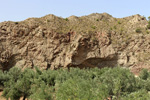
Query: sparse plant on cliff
{"points": [[119, 22], [93, 27], [111, 28], [66, 19], [138, 30], [47, 20], [149, 18], [148, 26], [16, 22], [115, 27], [147, 31]]}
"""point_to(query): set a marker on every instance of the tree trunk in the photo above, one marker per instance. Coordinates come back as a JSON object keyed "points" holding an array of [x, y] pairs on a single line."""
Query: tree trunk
{"points": [[24, 97]]}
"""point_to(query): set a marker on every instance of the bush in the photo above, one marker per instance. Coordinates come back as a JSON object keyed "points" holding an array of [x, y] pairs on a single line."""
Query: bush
{"points": [[3, 78], [19, 83], [10, 86], [119, 81], [138, 30], [93, 27], [138, 95], [97, 19], [115, 27], [80, 89], [149, 18], [119, 22], [144, 74], [75, 84], [148, 26], [66, 19], [41, 92]]}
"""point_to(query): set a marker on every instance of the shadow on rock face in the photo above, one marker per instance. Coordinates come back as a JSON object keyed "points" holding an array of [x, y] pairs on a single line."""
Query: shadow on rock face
{"points": [[97, 62], [7, 64]]}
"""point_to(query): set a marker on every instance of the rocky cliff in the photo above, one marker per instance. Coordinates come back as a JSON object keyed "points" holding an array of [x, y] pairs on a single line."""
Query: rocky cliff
{"points": [[96, 40]]}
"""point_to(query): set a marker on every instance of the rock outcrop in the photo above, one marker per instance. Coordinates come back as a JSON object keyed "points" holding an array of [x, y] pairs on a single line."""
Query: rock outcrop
{"points": [[97, 40]]}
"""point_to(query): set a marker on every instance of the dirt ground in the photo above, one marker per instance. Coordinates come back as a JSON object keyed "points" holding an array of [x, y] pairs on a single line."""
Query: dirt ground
{"points": [[1, 98]]}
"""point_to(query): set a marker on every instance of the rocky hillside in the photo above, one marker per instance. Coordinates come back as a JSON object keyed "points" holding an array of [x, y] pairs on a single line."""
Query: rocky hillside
{"points": [[96, 40]]}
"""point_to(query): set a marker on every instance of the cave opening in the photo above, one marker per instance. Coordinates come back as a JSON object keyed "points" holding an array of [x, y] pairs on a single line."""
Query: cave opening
{"points": [[97, 62]]}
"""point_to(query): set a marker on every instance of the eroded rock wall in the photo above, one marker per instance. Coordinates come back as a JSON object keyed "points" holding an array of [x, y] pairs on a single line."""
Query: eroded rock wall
{"points": [[30, 44]]}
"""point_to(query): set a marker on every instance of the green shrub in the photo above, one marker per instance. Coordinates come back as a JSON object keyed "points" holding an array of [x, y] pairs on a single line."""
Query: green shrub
{"points": [[10, 86], [115, 27], [19, 83], [3, 78], [93, 27], [119, 81], [144, 74], [138, 95], [147, 31], [41, 92], [75, 84], [149, 18], [119, 22], [66, 19], [138, 30], [80, 89], [47, 20], [148, 26]]}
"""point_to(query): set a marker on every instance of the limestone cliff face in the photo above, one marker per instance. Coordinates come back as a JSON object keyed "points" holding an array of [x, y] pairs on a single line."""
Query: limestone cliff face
{"points": [[97, 40]]}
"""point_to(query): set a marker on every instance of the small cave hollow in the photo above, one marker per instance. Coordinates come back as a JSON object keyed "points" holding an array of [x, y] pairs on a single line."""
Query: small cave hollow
{"points": [[97, 62], [8, 64]]}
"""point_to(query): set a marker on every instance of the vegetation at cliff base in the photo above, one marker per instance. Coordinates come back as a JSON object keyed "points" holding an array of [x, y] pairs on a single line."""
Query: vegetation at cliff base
{"points": [[75, 84]]}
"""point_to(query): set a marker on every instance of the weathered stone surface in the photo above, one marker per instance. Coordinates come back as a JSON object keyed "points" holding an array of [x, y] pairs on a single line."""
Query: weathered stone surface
{"points": [[34, 42]]}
